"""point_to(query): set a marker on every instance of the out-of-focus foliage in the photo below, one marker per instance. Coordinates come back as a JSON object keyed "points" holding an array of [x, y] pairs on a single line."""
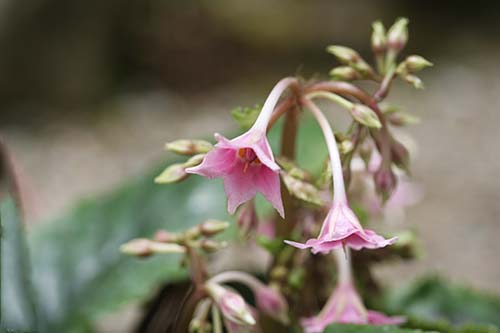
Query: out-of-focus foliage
{"points": [[435, 298], [18, 308], [79, 272], [349, 328]]}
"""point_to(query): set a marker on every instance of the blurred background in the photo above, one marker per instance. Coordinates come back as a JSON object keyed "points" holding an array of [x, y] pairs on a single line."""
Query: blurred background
{"points": [[90, 90]]}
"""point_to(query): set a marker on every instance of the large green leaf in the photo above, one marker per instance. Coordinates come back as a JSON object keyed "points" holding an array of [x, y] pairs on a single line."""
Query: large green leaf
{"points": [[435, 298], [348, 328], [78, 269], [17, 304]]}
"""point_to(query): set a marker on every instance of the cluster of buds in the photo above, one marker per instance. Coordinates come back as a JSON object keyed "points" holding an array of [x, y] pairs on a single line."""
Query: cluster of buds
{"points": [[197, 237]]}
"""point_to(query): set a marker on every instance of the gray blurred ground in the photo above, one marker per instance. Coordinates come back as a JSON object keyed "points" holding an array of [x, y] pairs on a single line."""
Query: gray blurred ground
{"points": [[68, 151]]}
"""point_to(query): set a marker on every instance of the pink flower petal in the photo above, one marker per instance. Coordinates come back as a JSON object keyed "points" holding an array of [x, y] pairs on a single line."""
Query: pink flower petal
{"points": [[268, 183]]}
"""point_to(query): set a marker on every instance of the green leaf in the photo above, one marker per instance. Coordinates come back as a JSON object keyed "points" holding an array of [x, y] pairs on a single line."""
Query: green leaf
{"points": [[348, 328], [435, 298], [79, 271], [18, 307], [246, 116]]}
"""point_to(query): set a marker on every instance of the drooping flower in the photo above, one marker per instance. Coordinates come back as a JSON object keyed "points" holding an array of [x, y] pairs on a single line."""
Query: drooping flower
{"points": [[246, 163], [341, 227], [346, 307], [247, 166]]}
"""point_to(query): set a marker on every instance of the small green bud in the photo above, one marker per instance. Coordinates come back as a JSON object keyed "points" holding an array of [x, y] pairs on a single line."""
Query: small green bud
{"points": [[213, 227], [351, 58], [366, 116], [414, 80], [415, 63], [400, 155], [292, 169], [194, 161], [145, 247], [301, 189], [379, 39], [164, 236], [209, 245], [345, 146], [402, 119], [345, 73], [397, 37], [189, 147], [172, 174]]}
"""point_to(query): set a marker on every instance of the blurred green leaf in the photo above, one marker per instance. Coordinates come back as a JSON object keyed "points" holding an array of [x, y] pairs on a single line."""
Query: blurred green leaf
{"points": [[18, 307], [348, 328], [78, 268], [435, 298], [246, 116]]}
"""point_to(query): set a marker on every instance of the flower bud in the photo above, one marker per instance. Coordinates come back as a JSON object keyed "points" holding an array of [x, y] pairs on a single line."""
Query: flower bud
{"points": [[164, 236], [414, 80], [351, 58], [247, 219], [402, 119], [210, 245], [400, 155], [301, 189], [172, 174], [138, 247], [385, 182], [272, 303], [177, 172], [345, 73], [231, 304], [145, 247], [379, 39], [398, 35], [213, 227], [366, 116], [345, 146], [189, 147], [412, 64]]}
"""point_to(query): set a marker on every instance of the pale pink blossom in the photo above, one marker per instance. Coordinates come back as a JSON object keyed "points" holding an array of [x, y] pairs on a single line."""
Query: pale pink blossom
{"points": [[231, 304], [247, 166], [341, 227], [246, 163], [346, 307]]}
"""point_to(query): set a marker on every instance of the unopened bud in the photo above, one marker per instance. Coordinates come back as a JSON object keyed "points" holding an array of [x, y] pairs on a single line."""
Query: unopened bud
{"points": [[402, 119], [412, 64], [172, 174], [164, 236], [385, 182], [145, 247], [400, 155], [247, 219], [189, 147], [138, 247], [345, 146], [301, 189], [231, 304], [213, 227], [413, 80], [272, 303], [398, 35], [345, 73], [351, 58], [210, 245], [194, 161], [378, 40], [366, 116]]}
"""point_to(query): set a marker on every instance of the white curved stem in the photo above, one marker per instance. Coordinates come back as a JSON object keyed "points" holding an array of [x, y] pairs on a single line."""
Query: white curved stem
{"points": [[339, 194], [343, 259], [237, 276], [271, 101]]}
